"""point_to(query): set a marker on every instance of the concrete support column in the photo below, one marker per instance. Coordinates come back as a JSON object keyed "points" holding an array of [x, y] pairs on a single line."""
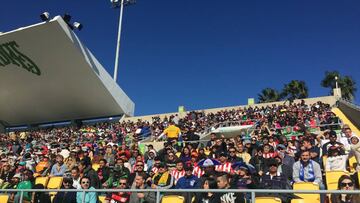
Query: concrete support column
{"points": [[337, 93]]}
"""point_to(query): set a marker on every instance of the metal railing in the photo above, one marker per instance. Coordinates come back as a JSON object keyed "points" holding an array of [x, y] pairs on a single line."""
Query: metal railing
{"points": [[159, 192]]}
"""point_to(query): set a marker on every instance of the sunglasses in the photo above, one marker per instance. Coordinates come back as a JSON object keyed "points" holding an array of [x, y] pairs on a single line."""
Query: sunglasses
{"points": [[346, 184], [85, 182], [122, 183], [139, 165]]}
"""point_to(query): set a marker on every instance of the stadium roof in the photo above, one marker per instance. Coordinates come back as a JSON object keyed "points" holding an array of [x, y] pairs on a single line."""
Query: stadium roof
{"points": [[48, 75]]}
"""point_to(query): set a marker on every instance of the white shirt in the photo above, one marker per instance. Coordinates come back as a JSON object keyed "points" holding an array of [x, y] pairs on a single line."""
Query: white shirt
{"points": [[76, 183], [336, 163]]}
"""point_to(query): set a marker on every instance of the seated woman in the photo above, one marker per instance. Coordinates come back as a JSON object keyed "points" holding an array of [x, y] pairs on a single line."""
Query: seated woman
{"points": [[345, 183], [209, 197]]}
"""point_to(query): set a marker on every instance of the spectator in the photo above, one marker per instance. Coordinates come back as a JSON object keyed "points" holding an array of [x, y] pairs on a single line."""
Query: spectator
{"points": [[90, 197], [87, 171], [335, 161], [307, 170], [223, 182], [178, 172], [355, 149], [162, 179], [275, 180], [40, 197], [142, 183], [172, 132], [59, 168], [104, 171], [332, 142], [75, 176], [66, 197], [345, 183], [119, 171], [209, 197], [241, 152], [139, 168], [120, 197], [26, 183]]}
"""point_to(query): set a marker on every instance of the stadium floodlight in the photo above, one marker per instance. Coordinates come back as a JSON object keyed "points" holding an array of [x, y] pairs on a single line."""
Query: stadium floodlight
{"points": [[45, 16], [77, 25], [67, 18], [121, 4]]}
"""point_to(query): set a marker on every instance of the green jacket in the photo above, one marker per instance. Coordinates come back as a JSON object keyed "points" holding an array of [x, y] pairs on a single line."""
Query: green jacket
{"points": [[25, 185]]}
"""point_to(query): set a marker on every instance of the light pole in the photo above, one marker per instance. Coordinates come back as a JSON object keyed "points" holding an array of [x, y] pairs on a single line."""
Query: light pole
{"points": [[336, 82], [121, 4]]}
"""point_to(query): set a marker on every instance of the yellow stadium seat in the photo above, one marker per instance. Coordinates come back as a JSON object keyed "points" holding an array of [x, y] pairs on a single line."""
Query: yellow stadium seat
{"points": [[55, 183], [102, 199], [173, 199], [332, 178], [267, 200], [96, 166], [4, 198], [307, 186], [352, 163], [324, 159], [301, 201], [42, 180]]}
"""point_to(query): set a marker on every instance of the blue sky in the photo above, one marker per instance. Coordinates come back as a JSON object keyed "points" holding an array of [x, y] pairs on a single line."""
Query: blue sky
{"points": [[210, 53]]}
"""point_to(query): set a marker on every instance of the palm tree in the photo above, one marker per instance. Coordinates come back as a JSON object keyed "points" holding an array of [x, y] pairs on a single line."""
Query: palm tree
{"points": [[268, 95], [346, 83], [295, 89]]}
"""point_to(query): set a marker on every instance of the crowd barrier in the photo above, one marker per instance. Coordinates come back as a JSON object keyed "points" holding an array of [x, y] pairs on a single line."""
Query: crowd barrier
{"points": [[159, 192]]}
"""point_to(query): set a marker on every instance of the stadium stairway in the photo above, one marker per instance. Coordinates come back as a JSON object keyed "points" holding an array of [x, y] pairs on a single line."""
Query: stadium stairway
{"points": [[345, 120]]}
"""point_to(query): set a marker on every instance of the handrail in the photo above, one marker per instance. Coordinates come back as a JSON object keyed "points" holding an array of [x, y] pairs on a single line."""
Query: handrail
{"points": [[158, 191]]}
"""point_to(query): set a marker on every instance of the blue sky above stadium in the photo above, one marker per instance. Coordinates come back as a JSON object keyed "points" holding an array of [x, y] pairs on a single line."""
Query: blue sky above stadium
{"points": [[205, 54]]}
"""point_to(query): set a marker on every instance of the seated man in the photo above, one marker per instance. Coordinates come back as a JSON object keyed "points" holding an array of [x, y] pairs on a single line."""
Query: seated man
{"points": [[162, 179], [223, 182], [275, 180], [59, 168], [307, 170]]}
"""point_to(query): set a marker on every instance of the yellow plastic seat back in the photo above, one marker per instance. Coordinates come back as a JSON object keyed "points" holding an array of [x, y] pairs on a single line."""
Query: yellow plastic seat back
{"points": [[300, 201], [352, 164], [332, 178], [4, 198], [307, 186], [95, 166], [102, 199], [42, 180], [55, 183], [173, 199], [267, 200]]}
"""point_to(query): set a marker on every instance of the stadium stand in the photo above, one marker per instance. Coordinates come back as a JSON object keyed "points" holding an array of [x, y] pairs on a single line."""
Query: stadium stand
{"points": [[282, 138]]}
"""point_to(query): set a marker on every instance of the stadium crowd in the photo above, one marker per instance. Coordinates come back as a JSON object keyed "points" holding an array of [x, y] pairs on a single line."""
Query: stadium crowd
{"points": [[289, 144]]}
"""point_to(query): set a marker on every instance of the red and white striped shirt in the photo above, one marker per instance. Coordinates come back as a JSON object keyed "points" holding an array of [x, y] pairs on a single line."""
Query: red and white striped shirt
{"points": [[177, 174], [154, 169], [269, 155], [226, 167], [198, 171]]}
